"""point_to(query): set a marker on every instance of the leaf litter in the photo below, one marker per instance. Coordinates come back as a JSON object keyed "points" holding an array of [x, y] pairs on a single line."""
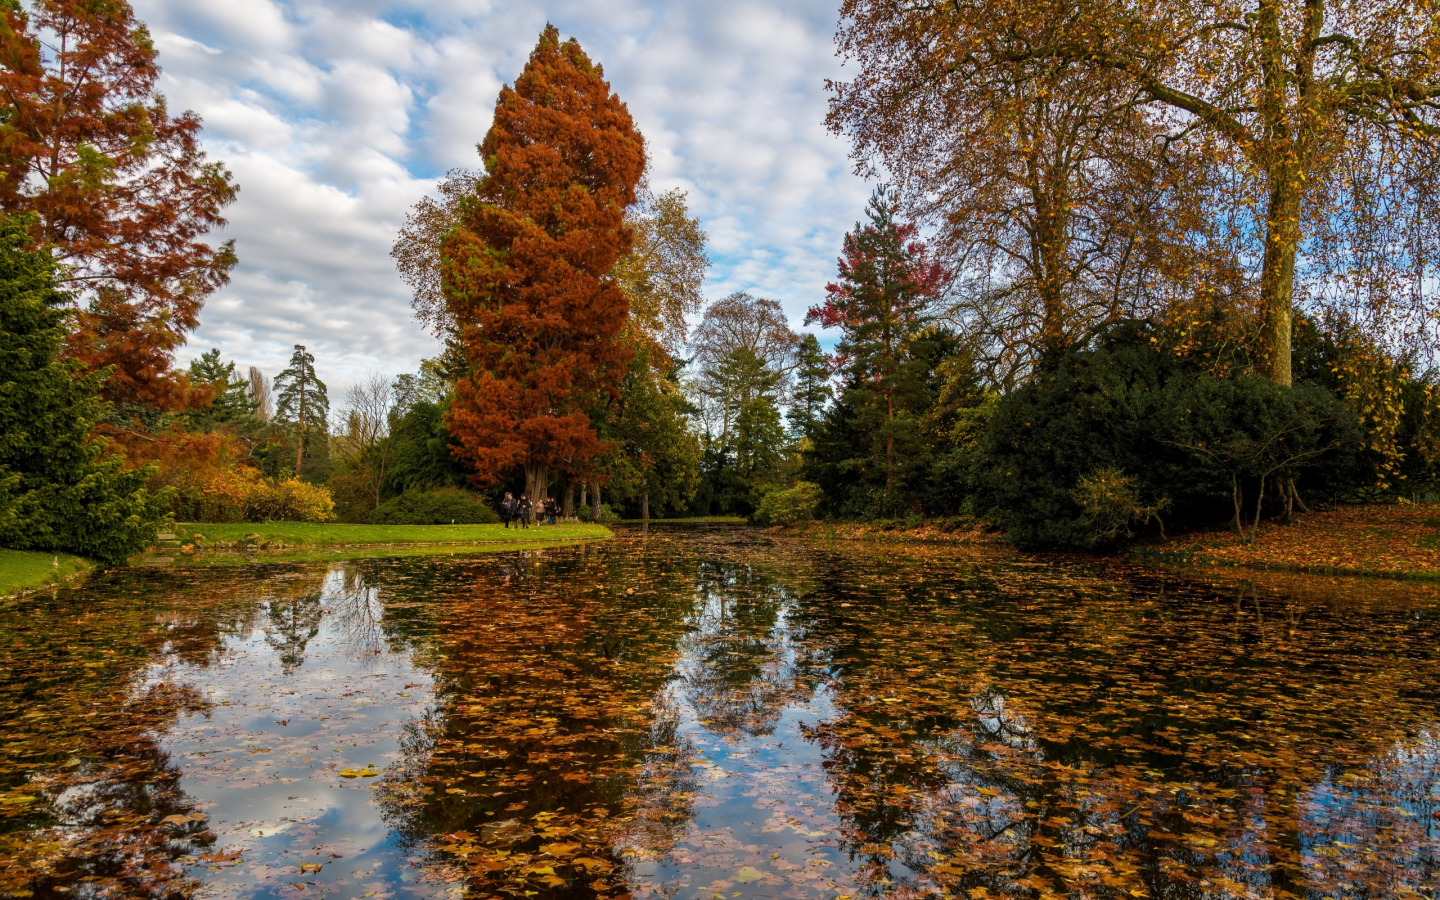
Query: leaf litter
{"points": [[709, 716]]}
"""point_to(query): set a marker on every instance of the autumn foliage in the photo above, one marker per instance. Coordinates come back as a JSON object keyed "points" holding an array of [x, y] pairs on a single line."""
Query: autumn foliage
{"points": [[525, 274], [120, 188]]}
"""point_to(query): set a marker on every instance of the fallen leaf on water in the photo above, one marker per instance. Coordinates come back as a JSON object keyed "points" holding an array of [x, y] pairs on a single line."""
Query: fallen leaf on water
{"points": [[748, 874], [366, 772]]}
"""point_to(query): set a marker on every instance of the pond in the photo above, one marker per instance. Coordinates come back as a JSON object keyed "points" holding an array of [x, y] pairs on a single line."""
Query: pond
{"points": [[713, 715]]}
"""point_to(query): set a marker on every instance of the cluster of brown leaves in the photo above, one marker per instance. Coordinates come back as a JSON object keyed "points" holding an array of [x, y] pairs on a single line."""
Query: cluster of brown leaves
{"points": [[1396, 539]]}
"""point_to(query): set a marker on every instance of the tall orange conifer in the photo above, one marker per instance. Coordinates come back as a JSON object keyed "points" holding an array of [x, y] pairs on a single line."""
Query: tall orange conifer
{"points": [[526, 273]]}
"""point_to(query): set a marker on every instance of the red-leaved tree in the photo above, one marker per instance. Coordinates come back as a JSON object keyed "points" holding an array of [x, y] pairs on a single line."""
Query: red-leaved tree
{"points": [[119, 189], [526, 273]]}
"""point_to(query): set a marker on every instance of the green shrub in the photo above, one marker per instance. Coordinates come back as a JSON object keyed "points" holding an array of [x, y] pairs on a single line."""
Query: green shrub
{"points": [[789, 507], [442, 507], [1110, 504], [1183, 438]]}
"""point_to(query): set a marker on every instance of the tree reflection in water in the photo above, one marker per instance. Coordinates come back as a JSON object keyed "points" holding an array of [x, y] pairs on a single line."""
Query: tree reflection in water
{"points": [[90, 805], [723, 714], [548, 754], [1093, 737]]}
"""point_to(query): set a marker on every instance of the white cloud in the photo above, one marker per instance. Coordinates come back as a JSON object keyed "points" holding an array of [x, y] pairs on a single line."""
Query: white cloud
{"points": [[337, 115]]}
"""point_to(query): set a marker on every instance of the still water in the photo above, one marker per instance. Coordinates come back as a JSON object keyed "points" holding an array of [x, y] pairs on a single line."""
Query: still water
{"points": [[715, 715]]}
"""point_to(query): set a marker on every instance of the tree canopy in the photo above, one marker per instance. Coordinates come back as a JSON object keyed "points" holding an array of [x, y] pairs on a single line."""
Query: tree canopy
{"points": [[525, 272], [120, 189]]}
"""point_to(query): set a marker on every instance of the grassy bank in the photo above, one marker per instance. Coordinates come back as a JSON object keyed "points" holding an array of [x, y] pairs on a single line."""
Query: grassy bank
{"points": [[22, 570], [247, 543], [957, 530], [312, 535]]}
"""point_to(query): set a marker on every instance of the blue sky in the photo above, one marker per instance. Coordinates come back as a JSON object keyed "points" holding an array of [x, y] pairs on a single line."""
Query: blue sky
{"points": [[336, 116]]}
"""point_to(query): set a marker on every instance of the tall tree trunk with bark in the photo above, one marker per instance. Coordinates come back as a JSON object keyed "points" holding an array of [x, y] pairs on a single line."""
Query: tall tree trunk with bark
{"points": [[300, 432]]}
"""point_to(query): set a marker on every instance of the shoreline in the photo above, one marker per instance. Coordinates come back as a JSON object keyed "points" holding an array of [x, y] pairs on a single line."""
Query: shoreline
{"points": [[252, 544]]}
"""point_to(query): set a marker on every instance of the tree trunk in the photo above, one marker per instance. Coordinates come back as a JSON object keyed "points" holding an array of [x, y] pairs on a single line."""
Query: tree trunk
{"points": [[537, 483], [595, 503], [567, 507], [890, 441], [645, 505], [1277, 281], [300, 432], [584, 493]]}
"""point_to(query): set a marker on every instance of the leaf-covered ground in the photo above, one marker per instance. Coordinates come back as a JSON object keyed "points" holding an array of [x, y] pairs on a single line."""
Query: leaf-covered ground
{"points": [[715, 715], [1398, 540]]}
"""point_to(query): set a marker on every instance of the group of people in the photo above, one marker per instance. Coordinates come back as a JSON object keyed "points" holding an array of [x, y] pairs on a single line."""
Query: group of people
{"points": [[518, 510]]}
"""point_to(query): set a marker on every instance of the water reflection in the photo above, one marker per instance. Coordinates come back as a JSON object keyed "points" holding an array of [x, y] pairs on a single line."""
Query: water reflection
{"points": [[711, 715]]}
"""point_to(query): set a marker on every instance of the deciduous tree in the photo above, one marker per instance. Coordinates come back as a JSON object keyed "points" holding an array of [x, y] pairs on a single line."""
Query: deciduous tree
{"points": [[121, 191], [664, 272], [1322, 115], [525, 274]]}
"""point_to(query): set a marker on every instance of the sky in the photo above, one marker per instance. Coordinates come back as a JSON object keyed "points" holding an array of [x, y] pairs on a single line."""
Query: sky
{"points": [[335, 116]]}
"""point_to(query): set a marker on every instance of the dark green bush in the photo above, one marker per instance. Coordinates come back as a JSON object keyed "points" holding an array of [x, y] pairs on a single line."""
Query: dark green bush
{"points": [[442, 507], [58, 488], [1181, 438]]}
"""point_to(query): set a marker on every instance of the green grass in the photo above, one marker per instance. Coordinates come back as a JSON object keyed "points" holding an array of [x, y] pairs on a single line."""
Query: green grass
{"points": [[271, 557], [21, 570], [303, 535]]}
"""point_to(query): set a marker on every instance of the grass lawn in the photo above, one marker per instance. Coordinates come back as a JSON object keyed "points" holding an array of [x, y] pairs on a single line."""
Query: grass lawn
{"points": [[21, 569], [334, 553], [300, 535]]}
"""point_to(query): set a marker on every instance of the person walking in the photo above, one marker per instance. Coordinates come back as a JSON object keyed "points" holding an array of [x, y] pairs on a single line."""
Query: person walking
{"points": [[551, 508], [523, 507], [507, 508]]}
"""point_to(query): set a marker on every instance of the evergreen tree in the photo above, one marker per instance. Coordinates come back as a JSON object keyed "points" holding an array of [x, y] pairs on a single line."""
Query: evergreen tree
{"points": [[657, 455], [812, 388], [301, 401], [57, 489], [881, 303], [232, 404]]}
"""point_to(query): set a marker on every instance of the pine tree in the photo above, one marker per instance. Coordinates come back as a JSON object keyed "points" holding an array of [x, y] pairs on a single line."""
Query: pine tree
{"points": [[58, 491], [301, 401], [231, 404], [812, 388], [881, 303], [527, 271]]}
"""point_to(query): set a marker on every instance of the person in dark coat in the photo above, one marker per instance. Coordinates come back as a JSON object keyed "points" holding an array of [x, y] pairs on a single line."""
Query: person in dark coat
{"points": [[507, 509], [523, 509], [552, 509]]}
